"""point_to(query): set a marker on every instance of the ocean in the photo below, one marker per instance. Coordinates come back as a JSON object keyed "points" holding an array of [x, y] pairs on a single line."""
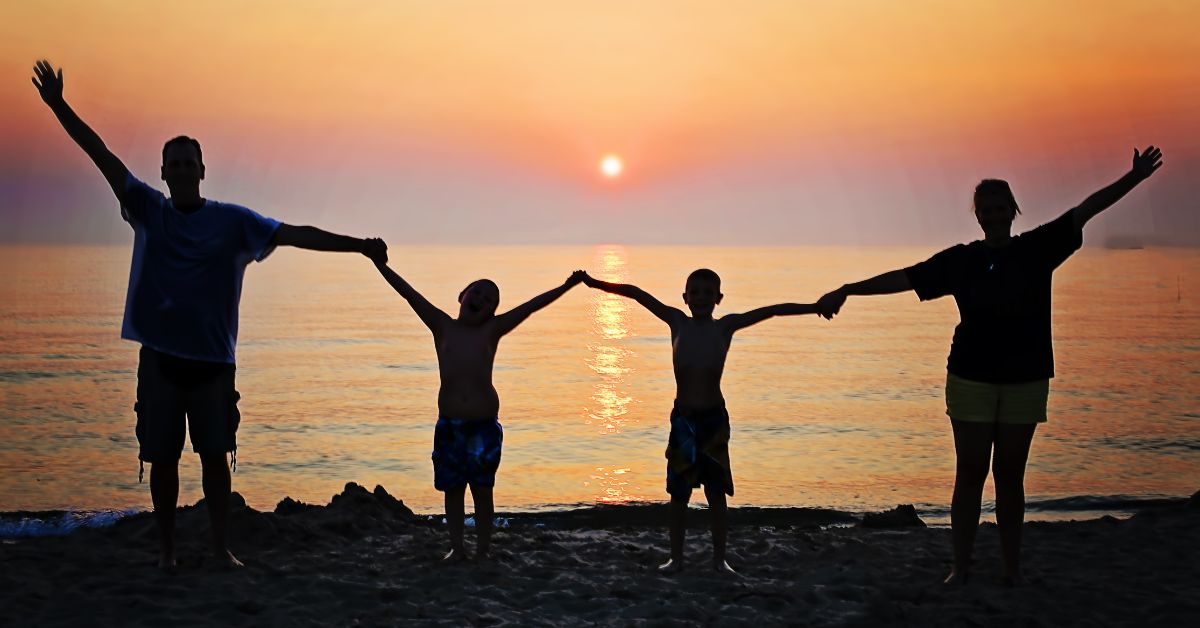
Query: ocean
{"points": [[339, 380]]}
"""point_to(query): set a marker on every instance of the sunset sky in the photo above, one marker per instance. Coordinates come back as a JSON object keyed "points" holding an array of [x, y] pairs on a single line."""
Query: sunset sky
{"points": [[830, 122]]}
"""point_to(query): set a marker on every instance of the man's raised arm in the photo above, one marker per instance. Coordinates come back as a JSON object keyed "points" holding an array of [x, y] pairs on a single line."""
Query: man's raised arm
{"points": [[50, 85]]}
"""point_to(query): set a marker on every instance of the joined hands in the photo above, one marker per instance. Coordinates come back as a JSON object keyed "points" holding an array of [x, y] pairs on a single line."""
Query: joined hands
{"points": [[829, 305], [375, 249]]}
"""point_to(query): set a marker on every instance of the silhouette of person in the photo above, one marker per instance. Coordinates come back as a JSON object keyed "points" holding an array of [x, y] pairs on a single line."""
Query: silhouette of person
{"points": [[1001, 359], [468, 437], [698, 444], [189, 256]]}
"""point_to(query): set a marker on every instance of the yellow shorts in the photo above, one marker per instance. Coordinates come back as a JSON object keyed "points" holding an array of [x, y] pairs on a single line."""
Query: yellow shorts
{"points": [[981, 402]]}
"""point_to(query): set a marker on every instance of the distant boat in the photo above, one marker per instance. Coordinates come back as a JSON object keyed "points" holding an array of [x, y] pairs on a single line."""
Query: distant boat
{"points": [[1124, 243]]}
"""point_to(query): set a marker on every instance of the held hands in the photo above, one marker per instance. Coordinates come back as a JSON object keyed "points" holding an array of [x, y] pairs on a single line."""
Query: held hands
{"points": [[829, 305], [48, 84], [576, 278], [1146, 162], [587, 279], [375, 249]]}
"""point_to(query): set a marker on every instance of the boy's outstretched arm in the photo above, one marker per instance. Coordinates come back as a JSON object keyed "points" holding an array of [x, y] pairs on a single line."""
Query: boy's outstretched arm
{"points": [[50, 86], [665, 313], [429, 314], [509, 320], [1144, 165], [740, 321]]}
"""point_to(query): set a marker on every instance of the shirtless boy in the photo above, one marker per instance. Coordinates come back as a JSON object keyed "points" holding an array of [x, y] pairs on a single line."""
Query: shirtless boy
{"points": [[698, 447], [468, 435]]}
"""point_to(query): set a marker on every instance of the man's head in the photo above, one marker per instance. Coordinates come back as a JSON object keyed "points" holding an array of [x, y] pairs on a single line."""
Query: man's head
{"points": [[182, 163], [995, 207], [702, 292], [478, 301]]}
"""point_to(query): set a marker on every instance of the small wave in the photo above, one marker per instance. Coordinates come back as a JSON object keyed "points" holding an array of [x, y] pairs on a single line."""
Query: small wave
{"points": [[25, 376], [411, 367], [649, 340], [28, 376], [1149, 444], [1099, 503], [20, 525]]}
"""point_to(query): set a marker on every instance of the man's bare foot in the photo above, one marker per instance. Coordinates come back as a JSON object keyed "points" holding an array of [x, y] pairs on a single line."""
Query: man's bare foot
{"points": [[671, 566], [455, 555], [1011, 580], [226, 560], [957, 577], [721, 566], [166, 562]]}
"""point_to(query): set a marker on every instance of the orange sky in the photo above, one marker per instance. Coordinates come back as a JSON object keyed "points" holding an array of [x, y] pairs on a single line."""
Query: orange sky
{"points": [[805, 116]]}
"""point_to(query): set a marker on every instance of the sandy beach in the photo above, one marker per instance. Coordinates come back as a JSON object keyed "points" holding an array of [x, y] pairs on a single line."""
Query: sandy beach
{"points": [[365, 559]]}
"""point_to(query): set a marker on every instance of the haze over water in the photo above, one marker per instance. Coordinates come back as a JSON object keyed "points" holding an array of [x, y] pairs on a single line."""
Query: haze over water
{"points": [[339, 379]]}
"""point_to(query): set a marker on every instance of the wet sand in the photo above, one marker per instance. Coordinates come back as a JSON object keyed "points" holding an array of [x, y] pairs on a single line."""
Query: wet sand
{"points": [[365, 559]]}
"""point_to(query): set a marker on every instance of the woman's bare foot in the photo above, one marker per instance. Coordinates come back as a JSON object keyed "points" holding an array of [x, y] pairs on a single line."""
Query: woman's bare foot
{"points": [[1011, 580], [957, 577], [227, 560], [166, 562], [721, 566], [671, 566], [455, 555]]}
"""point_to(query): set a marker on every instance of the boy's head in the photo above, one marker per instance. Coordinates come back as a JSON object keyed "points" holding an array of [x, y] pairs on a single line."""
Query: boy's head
{"points": [[478, 301], [182, 162], [702, 292]]}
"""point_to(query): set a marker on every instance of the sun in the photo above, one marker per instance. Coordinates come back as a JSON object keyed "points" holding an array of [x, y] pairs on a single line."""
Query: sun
{"points": [[611, 166]]}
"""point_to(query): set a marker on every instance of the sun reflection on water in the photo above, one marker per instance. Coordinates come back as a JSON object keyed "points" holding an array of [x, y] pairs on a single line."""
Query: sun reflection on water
{"points": [[609, 411]]}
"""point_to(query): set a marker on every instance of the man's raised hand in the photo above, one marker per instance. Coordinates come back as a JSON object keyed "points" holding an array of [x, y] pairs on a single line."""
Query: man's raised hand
{"points": [[48, 84]]}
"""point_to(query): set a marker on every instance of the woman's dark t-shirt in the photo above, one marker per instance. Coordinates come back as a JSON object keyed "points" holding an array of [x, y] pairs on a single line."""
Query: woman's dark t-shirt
{"points": [[1003, 297]]}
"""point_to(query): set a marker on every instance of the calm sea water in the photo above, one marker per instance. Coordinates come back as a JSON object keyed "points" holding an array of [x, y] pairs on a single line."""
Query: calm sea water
{"points": [[339, 380]]}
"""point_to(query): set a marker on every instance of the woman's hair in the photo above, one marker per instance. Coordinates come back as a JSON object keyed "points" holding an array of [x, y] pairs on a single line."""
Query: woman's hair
{"points": [[995, 187]]}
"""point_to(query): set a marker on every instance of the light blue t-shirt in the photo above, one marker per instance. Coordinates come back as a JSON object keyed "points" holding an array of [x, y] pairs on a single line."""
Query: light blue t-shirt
{"points": [[186, 277]]}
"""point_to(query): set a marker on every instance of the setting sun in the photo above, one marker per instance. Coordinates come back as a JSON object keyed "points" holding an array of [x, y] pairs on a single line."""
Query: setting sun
{"points": [[611, 166]]}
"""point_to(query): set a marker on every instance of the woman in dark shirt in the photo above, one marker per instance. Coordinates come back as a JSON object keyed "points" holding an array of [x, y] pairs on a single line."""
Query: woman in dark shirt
{"points": [[1001, 359]]}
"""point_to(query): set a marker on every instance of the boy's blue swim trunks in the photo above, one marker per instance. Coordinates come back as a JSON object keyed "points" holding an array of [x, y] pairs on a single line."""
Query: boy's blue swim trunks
{"points": [[466, 452], [698, 452]]}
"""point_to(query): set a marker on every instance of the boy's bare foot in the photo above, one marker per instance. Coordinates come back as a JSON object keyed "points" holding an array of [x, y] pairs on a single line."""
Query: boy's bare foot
{"points": [[227, 560], [455, 555], [671, 566], [957, 577], [721, 566]]}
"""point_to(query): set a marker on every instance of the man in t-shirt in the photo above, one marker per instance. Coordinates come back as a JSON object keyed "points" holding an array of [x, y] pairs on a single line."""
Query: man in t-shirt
{"points": [[185, 281]]}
